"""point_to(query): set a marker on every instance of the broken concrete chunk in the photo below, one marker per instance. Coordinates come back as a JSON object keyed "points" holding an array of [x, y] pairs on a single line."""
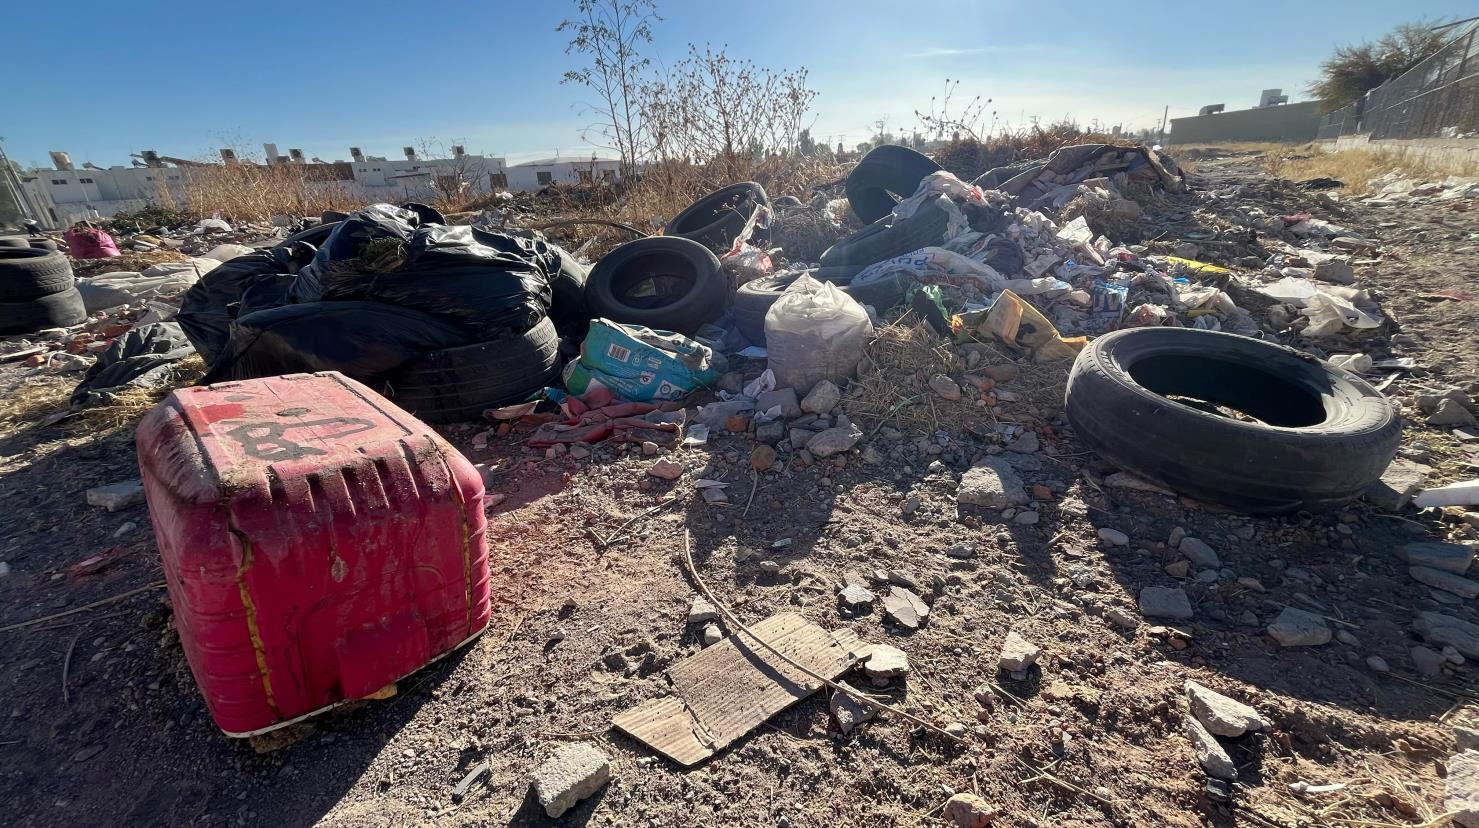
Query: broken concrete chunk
{"points": [[1221, 715], [1401, 480], [856, 599], [885, 662], [571, 774], [1449, 557], [848, 711], [784, 398], [1210, 754], [993, 484], [1461, 790], [700, 611], [1297, 628], [1017, 653], [822, 398], [1446, 581], [904, 608], [115, 496], [1446, 630], [1165, 602]]}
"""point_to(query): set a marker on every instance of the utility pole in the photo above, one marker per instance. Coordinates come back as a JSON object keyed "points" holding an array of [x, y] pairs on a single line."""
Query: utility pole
{"points": [[1161, 138]]}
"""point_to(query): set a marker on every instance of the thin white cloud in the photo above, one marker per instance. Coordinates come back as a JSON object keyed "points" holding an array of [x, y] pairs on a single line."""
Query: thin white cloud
{"points": [[946, 52]]}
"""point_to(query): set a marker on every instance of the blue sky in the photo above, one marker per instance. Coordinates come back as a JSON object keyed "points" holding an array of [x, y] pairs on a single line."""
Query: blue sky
{"points": [[101, 78]]}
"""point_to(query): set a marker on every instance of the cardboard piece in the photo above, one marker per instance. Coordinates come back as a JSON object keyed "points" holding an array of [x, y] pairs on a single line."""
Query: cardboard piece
{"points": [[729, 689]]}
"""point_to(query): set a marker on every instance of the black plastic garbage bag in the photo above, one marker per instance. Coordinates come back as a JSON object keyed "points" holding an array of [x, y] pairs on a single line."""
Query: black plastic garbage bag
{"points": [[488, 283], [207, 308], [141, 358], [364, 340], [368, 241]]}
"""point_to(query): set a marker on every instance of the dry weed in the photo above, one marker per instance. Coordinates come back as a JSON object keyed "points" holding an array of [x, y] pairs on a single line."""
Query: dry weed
{"points": [[1356, 167], [255, 192]]}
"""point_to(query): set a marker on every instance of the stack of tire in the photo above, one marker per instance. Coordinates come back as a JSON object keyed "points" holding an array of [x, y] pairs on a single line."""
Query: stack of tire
{"points": [[37, 290]]}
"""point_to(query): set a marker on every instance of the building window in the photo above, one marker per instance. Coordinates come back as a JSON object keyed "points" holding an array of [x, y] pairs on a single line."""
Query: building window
{"points": [[60, 182], [544, 177], [148, 178], [498, 180], [377, 169], [84, 181]]}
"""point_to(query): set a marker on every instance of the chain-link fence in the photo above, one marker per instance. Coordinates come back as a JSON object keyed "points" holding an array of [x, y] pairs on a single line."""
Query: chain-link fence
{"points": [[1438, 98]]}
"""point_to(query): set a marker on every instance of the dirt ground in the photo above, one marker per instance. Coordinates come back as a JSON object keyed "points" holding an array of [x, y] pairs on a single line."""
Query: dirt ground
{"points": [[102, 723]]}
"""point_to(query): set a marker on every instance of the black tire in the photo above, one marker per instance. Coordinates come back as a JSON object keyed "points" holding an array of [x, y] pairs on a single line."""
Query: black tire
{"points": [[886, 238], [684, 285], [1315, 436], [568, 308], [14, 241], [461, 383], [27, 273], [38, 243], [57, 310], [714, 220], [753, 300], [886, 172]]}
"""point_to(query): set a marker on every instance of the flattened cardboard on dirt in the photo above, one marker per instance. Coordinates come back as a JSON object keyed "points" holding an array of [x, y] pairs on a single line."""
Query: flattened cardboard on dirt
{"points": [[732, 687]]}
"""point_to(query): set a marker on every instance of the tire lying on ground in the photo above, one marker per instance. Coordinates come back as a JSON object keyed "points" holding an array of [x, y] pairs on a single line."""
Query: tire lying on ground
{"points": [[460, 383], [14, 241], [718, 217], [56, 310], [1226, 419], [886, 172], [42, 244], [30, 273], [886, 238], [661, 282]]}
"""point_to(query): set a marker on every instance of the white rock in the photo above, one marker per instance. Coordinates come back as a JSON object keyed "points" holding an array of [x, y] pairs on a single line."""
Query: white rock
{"points": [[1222, 716], [115, 496], [1017, 653], [572, 773], [884, 663], [666, 469], [1113, 537], [1297, 628], [1210, 754], [822, 398], [700, 611], [1461, 790]]}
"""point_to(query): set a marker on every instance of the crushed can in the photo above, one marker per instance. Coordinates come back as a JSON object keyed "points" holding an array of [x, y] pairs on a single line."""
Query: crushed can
{"points": [[319, 543]]}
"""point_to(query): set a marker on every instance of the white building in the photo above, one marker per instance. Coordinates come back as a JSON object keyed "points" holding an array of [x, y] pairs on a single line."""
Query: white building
{"points": [[562, 169], [65, 195]]}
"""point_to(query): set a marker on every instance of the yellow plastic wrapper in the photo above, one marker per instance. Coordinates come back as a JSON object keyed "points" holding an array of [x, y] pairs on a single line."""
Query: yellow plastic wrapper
{"points": [[1020, 327], [1197, 267]]}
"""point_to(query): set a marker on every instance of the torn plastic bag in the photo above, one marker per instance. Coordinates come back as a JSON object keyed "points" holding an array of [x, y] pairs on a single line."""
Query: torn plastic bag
{"points": [[352, 247], [640, 364], [489, 283], [934, 265], [1019, 326], [210, 304], [141, 358], [87, 242], [363, 340], [815, 332], [1330, 314]]}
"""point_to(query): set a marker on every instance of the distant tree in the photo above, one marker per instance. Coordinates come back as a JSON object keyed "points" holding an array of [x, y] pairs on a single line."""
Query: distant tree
{"points": [[611, 33], [1352, 71], [805, 144]]}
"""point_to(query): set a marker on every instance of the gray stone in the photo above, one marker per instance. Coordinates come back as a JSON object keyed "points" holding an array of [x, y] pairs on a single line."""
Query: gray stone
{"points": [[944, 387], [1026, 443], [1348, 638], [115, 496], [1026, 518], [1222, 716], [1165, 602], [770, 433], [666, 469], [785, 398], [650, 449], [822, 398], [833, 441], [800, 437], [1449, 557], [1335, 271], [848, 711], [1451, 413], [1125, 480], [700, 611], [1465, 738], [713, 494], [1297, 628], [993, 484], [1199, 553], [1017, 653], [1461, 789], [1121, 618], [1378, 664], [1446, 581], [770, 569], [712, 635], [856, 599], [1401, 480], [966, 810], [902, 577], [1429, 662], [1113, 537], [571, 774], [1443, 629], [905, 608], [961, 550], [1210, 754], [885, 662]]}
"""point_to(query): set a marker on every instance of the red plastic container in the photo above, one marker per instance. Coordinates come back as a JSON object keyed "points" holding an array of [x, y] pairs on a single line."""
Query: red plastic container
{"points": [[319, 542]]}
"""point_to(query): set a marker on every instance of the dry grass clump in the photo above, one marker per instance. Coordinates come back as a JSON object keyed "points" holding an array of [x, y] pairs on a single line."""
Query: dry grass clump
{"points": [[126, 260], [893, 382], [255, 192], [1356, 167], [38, 397]]}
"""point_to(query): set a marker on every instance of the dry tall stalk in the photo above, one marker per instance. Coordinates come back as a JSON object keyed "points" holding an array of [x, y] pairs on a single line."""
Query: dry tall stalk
{"points": [[255, 192]]}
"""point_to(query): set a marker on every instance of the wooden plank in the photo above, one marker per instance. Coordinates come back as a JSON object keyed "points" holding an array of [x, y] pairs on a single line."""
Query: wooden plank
{"points": [[729, 689]]}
